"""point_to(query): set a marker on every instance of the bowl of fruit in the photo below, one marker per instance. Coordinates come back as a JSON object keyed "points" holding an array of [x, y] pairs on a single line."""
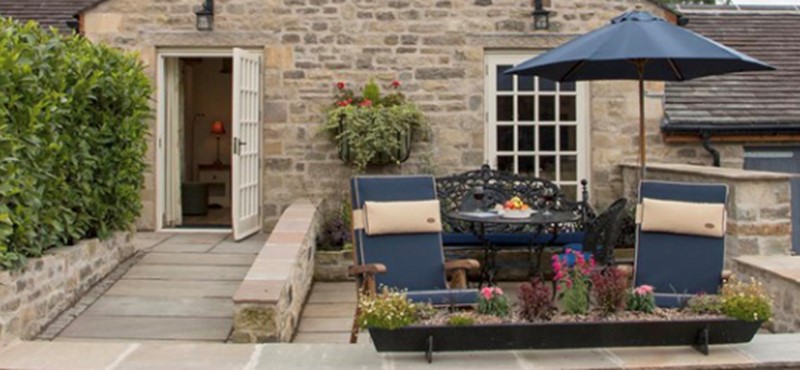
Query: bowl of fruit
{"points": [[515, 208]]}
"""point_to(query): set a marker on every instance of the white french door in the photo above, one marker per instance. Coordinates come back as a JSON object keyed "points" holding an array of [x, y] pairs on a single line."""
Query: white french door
{"points": [[535, 126], [246, 202]]}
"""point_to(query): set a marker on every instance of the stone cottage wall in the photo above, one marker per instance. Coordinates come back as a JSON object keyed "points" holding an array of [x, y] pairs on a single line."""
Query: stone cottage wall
{"points": [[436, 48]]}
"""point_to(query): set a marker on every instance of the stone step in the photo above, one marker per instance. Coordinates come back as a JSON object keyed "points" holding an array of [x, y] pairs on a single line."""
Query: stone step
{"points": [[159, 258], [174, 328], [161, 307], [173, 288], [174, 272]]}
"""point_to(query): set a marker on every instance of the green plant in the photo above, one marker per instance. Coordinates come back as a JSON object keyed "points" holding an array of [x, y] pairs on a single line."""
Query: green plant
{"points": [[642, 299], [73, 126], [492, 301], [572, 280], [390, 309], [610, 290], [535, 301], [704, 304], [745, 301], [373, 129], [460, 320]]}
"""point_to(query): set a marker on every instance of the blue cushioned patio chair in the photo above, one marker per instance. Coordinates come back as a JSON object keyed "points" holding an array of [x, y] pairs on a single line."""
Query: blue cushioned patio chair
{"points": [[413, 262], [679, 265], [600, 236]]}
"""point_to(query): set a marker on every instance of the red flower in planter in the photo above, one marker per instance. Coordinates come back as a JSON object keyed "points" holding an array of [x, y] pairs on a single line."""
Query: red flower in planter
{"points": [[395, 84], [366, 103], [340, 85]]}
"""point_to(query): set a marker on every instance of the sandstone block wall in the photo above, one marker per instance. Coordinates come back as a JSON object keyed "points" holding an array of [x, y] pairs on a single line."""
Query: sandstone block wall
{"points": [[436, 48], [30, 298], [780, 276], [759, 205]]}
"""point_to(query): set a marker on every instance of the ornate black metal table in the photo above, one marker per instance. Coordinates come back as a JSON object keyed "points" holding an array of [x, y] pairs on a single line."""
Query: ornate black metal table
{"points": [[538, 223]]}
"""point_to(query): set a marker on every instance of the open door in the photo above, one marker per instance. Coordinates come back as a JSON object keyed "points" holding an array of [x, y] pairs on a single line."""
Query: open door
{"points": [[246, 146]]}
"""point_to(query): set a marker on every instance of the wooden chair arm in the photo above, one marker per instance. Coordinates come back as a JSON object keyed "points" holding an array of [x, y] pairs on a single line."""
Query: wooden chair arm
{"points": [[373, 268], [465, 264]]}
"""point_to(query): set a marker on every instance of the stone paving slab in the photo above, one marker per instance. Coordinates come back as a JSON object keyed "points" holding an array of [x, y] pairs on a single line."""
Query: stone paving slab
{"points": [[168, 272], [329, 310], [157, 258], [164, 355], [338, 337], [244, 247], [182, 248], [174, 328], [161, 306], [197, 238], [173, 288], [325, 324], [332, 297]]}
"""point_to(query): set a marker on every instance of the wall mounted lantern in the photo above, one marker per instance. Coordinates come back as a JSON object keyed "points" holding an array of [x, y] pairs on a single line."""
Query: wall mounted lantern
{"points": [[205, 16], [541, 17]]}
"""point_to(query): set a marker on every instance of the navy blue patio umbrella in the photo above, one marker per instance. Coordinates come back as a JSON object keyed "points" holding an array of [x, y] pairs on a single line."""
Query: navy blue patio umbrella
{"points": [[638, 46]]}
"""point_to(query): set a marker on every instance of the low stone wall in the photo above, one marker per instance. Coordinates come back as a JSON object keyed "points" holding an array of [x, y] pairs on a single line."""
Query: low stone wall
{"points": [[32, 297], [268, 303], [332, 265], [781, 278], [759, 204]]}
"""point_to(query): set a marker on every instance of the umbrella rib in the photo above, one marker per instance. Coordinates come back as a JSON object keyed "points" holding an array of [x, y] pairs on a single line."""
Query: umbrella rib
{"points": [[675, 69], [572, 70]]}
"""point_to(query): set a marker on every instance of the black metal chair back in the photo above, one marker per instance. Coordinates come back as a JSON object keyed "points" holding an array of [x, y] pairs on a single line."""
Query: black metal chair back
{"points": [[603, 231]]}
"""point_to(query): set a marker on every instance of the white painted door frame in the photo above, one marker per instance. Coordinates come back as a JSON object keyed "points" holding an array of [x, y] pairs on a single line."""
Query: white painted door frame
{"points": [[161, 111]]}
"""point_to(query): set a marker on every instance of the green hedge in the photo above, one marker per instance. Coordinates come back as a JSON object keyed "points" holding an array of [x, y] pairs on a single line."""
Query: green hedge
{"points": [[73, 126]]}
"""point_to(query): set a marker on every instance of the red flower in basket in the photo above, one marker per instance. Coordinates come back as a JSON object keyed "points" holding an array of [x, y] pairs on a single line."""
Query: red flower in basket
{"points": [[366, 103], [340, 85], [395, 84]]}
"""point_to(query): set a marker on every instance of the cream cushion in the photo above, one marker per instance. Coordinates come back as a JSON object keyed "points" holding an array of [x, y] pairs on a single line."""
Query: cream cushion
{"points": [[688, 218], [402, 217]]}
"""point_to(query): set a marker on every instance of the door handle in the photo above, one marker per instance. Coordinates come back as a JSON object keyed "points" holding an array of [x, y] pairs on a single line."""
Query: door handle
{"points": [[237, 144]]}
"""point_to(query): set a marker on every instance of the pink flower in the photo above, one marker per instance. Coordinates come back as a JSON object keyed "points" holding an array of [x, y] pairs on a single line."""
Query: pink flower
{"points": [[366, 103], [486, 292], [395, 84], [643, 290], [498, 291], [569, 250], [340, 85]]}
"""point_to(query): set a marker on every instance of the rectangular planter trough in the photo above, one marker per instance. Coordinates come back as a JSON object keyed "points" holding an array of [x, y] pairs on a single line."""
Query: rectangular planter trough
{"points": [[697, 333]]}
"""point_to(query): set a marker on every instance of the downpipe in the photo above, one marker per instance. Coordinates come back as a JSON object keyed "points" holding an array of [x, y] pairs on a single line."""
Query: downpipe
{"points": [[706, 137]]}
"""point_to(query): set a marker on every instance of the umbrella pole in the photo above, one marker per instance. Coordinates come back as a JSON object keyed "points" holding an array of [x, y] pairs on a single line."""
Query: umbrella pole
{"points": [[642, 137]]}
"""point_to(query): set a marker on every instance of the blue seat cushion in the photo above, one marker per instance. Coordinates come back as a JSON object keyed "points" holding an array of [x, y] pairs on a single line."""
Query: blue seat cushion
{"points": [[458, 297], [511, 239]]}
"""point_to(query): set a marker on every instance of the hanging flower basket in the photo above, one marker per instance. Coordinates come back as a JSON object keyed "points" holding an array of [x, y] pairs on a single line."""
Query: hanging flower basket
{"points": [[373, 130]]}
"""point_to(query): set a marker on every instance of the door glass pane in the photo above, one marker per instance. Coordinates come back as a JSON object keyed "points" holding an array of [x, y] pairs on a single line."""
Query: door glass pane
{"points": [[504, 82], [547, 167], [525, 108], [527, 165], [567, 86], [547, 138], [505, 108], [567, 108], [568, 139], [546, 85], [525, 83], [505, 163], [570, 191], [547, 108], [569, 168], [505, 138], [527, 135]]}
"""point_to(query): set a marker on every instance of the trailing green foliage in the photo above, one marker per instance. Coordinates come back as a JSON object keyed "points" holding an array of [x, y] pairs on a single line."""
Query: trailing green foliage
{"points": [[745, 301], [460, 320], [72, 140]]}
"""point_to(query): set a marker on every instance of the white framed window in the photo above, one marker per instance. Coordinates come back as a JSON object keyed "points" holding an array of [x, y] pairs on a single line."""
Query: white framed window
{"points": [[535, 126]]}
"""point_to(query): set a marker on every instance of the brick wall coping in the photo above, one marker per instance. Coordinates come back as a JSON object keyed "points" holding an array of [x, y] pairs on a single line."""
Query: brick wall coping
{"points": [[272, 268], [787, 267], [719, 172]]}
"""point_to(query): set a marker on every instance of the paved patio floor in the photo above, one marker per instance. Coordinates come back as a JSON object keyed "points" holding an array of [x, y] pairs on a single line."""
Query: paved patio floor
{"points": [[766, 351], [180, 289]]}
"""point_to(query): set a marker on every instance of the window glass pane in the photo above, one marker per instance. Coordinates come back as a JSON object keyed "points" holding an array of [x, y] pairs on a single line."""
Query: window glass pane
{"points": [[505, 138], [547, 108], [546, 85], [547, 138], [505, 108], [504, 82], [527, 165], [547, 167], [568, 140], [570, 191], [505, 163], [569, 168], [527, 135], [567, 108], [525, 83], [525, 108], [567, 86]]}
